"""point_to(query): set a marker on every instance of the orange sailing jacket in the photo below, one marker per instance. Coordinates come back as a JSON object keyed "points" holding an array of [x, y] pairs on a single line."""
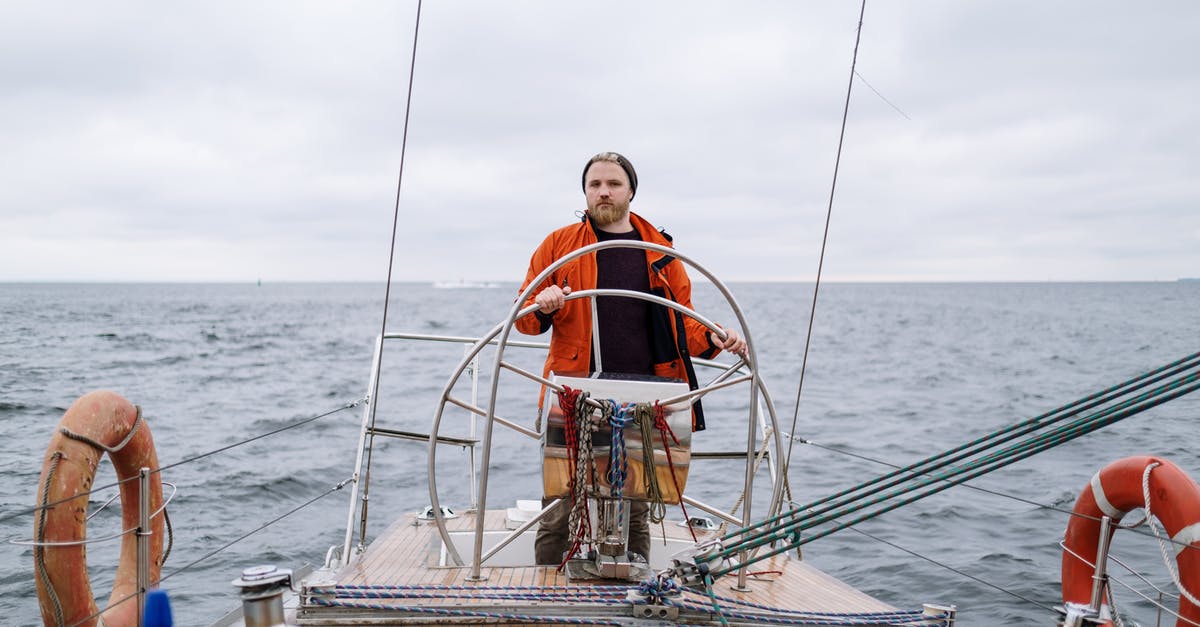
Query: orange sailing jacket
{"points": [[674, 337]]}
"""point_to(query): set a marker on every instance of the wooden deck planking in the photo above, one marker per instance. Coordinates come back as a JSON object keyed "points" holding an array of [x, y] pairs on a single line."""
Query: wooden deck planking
{"points": [[401, 554]]}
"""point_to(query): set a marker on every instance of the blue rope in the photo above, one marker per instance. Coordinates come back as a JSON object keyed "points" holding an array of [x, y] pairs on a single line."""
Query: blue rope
{"points": [[617, 459], [843, 621], [594, 590], [472, 613], [658, 590]]}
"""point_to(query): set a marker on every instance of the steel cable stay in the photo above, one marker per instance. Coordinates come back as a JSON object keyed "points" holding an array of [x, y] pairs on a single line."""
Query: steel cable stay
{"points": [[786, 527], [362, 467], [938, 477]]}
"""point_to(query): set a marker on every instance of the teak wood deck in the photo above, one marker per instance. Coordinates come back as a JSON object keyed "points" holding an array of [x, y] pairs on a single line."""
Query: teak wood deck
{"points": [[407, 554]]}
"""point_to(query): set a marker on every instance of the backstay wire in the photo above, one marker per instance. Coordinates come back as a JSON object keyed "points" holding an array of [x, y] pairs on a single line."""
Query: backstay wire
{"points": [[825, 236], [387, 292]]}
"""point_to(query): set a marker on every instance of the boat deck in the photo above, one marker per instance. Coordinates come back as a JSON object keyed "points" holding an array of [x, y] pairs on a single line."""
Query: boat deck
{"points": [[402, 580]]}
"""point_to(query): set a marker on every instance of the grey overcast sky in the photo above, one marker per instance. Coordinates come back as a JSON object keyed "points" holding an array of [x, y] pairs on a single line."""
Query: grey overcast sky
{"points": [[235, 141]]}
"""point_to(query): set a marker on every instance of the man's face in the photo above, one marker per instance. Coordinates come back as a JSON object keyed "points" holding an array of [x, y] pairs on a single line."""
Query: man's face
{"points": [[608, 192]]}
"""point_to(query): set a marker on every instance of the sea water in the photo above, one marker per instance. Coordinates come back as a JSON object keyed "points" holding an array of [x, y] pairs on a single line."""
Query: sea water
{"points": [[895, 372]]}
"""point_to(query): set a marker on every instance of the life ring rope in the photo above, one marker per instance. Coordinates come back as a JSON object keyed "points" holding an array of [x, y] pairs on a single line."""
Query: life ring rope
{"points": [[1170, 501], [39, 551], [1169, 560], [137, 422]]}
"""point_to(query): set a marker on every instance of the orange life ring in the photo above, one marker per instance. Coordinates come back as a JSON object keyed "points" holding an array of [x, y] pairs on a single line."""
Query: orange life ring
{"points": [[96, 423], [1117, 490]]}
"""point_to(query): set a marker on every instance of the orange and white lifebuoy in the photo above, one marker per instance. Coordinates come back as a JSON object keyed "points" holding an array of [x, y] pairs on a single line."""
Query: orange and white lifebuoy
{"points": [[98, 422], [1116, 490]]}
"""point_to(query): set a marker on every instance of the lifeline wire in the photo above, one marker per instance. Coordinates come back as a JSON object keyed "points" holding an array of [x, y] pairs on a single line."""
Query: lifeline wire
{"points": [[190, 565], [278, 518], [188, 460], [260, 436], [825, 237], [954, 570]]}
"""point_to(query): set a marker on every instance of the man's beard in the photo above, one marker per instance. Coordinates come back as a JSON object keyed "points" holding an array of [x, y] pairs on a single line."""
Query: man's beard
{"points": [[604, 215]]}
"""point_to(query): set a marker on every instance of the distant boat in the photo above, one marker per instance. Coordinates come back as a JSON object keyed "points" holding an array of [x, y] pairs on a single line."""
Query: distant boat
{"points": [[461, 283], [1188, 279]]}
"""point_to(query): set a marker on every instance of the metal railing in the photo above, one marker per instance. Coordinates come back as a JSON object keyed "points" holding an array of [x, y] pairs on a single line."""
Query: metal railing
{"points": [[761, 425]]}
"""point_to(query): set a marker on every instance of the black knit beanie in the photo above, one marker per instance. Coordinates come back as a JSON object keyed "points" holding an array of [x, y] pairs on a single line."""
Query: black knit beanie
{"points": [[621, 161]]}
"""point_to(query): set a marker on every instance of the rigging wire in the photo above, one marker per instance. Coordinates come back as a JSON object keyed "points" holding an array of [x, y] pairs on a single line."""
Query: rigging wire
{"points": [[193, 563], [387, 291], [825, 237], [1019, 499], [882, 97], [260, 436], [954, 570], [278, 518], [117, 484]]}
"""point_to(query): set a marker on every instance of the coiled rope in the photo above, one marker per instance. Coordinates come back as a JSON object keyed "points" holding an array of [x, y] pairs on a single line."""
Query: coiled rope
{"points": [[647, 416], [653, 417]]}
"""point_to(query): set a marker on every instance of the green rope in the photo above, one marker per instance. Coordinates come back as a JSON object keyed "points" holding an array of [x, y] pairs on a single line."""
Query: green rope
{"points": [[644, 416], [928, 483], [959, 475], [708, 587], [1007, 434]]}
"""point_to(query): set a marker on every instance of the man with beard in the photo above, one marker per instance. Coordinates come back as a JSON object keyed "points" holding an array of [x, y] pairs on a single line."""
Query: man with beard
{"points": [[635, 336]]}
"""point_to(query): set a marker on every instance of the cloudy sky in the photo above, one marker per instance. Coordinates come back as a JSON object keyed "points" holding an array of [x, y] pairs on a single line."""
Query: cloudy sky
{"points": [[235, 141]]}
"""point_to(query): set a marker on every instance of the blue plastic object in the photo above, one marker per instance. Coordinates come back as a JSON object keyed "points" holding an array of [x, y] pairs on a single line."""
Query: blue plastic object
{"points": [[158, 609]]}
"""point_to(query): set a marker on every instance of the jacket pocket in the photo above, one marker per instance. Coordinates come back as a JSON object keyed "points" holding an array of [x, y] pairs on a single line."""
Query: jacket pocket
{"points": [[567, 357]]}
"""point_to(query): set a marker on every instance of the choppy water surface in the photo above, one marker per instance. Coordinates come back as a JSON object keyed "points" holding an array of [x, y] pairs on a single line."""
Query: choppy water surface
{"points": [[895, 372]]}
